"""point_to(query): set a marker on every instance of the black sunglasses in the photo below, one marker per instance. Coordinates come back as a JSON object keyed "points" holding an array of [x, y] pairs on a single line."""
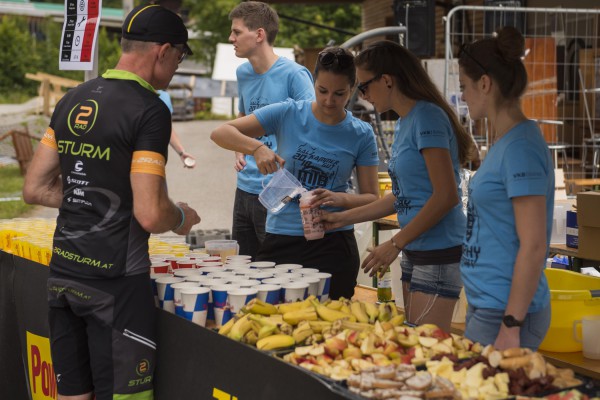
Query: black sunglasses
{"points": [[342, 59], [183, 51], [364, 85], [464, 49]]}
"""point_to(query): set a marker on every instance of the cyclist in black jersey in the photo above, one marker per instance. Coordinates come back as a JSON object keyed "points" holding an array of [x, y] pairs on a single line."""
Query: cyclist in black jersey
{"points": [[102, 163]]}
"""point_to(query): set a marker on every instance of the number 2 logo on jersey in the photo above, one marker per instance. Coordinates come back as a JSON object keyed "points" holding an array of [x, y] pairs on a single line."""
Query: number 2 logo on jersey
{"points": [[82, 117]]}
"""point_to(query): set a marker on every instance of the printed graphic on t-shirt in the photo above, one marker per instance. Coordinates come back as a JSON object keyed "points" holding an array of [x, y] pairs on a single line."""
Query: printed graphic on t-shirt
{"points": [[402, 203], [315, 168], [258, 102], [471, 251]]}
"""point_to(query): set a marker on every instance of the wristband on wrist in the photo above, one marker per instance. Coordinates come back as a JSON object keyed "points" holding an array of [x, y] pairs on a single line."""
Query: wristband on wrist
{"points": [[182, 219], [395, 245], [254, 151]]}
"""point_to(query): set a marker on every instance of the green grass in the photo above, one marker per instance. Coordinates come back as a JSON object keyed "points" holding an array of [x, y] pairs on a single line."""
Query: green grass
{"points": [[12, 185]]}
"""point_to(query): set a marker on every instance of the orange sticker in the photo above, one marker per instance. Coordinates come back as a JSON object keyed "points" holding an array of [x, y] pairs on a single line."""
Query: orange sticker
{"points": [[49, 138], [148, 162]]}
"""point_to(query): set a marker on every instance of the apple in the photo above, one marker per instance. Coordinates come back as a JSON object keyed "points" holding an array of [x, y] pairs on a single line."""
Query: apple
{"points": [[427, 341]]}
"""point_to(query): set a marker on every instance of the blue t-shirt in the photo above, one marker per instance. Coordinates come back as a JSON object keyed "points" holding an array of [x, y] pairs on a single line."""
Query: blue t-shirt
{"points": [[319, 155], [519, 164], [285, 79], [425, 126], [166, 98]]}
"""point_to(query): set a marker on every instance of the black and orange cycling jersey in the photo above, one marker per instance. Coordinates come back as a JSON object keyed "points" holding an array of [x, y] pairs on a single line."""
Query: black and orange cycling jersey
{"points": [[104, 130]]}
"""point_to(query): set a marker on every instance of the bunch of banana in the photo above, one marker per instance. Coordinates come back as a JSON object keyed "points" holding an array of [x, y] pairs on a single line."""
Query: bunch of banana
{"points": [[270, 325], [329, 314], [302, 332], [387, 311], [304, 314], [240, 327], [358, 309]]}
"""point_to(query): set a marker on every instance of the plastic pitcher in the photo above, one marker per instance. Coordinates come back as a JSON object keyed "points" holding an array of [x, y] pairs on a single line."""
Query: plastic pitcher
{"points": [[282, 188]]}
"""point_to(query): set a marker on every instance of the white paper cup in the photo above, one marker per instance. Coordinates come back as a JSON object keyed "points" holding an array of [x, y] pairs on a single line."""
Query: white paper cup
{"points": [[166, 293], [262, 264], [291, 276], [324, 285], [239, 258], [201, 280], [247, 283], [213, 259], [177, 295], [238, 269], [203, 265], [269, 293], [195, 304], [197, 256], [221, 275], [260, 275], [238, 298], [590, 332], [208, 270], [153, 278], [159, 267], [276, 281], [288, 267], [184, 273], [294, 291], [308, 271], [185, 263], [219, 297], [313, 284]]}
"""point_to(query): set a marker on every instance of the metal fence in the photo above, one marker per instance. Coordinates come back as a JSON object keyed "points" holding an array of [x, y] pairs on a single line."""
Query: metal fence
{"points": [[562, 59]]}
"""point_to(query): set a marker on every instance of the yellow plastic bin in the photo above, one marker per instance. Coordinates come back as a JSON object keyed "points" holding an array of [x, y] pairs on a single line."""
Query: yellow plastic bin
{"points": [[572, 297]]}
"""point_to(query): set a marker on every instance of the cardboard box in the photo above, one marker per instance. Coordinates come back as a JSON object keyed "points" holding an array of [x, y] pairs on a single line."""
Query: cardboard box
{"points": [[572, 230], [588, 219]]}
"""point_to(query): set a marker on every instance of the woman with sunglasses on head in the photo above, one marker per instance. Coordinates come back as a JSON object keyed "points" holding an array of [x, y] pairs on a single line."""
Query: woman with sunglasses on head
{"points": [[511, 200], [429, 148], [320, 143]]}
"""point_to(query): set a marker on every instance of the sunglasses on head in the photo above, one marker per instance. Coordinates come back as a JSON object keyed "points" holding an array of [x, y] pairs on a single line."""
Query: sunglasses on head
{"points": [[342, 59], [364, 85], [465, 49]]}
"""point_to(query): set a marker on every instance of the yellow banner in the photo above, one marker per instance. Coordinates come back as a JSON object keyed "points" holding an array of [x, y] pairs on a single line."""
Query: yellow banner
{"points": [[39, 364]]}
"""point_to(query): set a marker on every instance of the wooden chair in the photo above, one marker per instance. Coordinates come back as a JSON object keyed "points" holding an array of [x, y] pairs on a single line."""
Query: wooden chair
{"points": [[23, 145]]}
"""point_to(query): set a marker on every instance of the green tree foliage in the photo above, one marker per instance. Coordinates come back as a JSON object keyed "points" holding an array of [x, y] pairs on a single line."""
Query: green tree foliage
{"points": [[17, 54], [37, 49], [213, 25]]}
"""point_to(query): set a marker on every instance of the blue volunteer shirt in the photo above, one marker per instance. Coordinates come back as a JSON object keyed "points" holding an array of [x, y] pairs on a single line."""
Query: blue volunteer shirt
{"points": [[319, 155], [285, 79], [519, 164], [425, 126]]}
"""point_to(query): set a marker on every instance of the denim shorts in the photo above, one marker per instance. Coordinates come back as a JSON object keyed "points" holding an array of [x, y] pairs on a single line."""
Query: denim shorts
{"points": [[442, 279], [483, 325]]}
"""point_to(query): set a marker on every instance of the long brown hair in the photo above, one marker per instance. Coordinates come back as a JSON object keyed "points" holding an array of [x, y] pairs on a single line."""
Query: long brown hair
{"points": [[386, 57]]}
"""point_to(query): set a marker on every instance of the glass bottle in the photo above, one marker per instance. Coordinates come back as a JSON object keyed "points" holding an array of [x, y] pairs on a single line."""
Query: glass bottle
{"points": [[384, 287]]}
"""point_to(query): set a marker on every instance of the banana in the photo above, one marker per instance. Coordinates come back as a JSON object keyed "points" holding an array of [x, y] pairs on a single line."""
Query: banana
{"points": [[372, 311], [345, 309], [397, 320], [267, 330], [358, 310], [385, 311], [225, 329], [319, 326], [302, 332], [328, 314], [250, 337], [262, 320], [240, 327], [285, 328], [305, 314], [274, 342], [357, 326], [335, 304], [257, 306], [298, 305]]}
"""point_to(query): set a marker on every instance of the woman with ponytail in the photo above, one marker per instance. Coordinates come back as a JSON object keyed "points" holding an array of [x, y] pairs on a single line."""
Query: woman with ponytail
{"points": [[511, 200], [429, 148]]}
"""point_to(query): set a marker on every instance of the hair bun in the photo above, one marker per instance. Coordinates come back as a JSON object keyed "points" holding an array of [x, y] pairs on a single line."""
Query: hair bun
{"points": [[511, 44]]}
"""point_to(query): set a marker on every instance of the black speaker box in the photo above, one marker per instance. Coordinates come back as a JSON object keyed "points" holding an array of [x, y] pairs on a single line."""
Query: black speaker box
{"points": [[498, 18], [419, 18]]}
